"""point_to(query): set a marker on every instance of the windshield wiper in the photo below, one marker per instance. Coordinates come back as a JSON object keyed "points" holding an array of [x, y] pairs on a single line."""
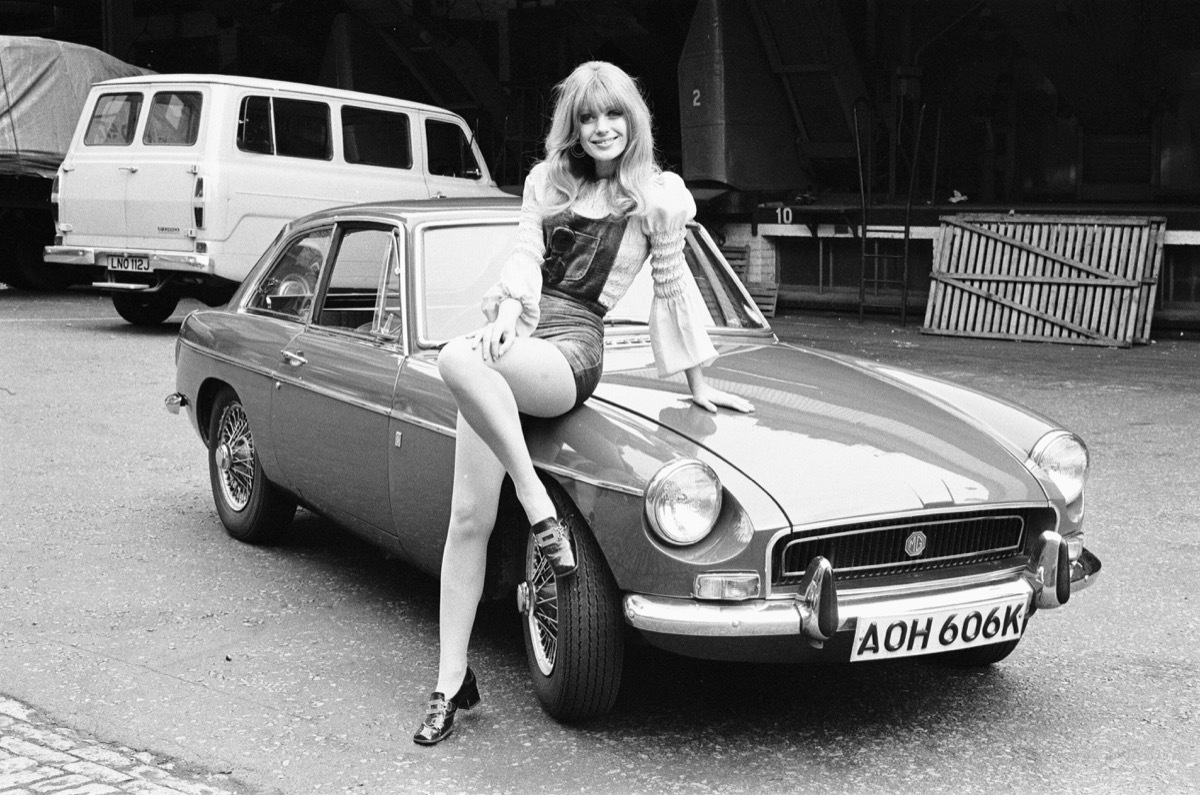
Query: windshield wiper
{"points": [[620, 321]]}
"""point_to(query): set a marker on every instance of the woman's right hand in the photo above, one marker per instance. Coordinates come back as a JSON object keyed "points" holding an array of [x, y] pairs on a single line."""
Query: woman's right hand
{"points": [[495, 338]]}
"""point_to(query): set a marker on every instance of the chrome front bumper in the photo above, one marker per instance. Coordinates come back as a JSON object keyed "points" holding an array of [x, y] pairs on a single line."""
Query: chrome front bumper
{"points": [[1048, 580], [186, 261]]}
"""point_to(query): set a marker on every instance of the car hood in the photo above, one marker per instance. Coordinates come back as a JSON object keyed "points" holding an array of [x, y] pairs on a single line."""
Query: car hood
{"points": [[830, 437]]}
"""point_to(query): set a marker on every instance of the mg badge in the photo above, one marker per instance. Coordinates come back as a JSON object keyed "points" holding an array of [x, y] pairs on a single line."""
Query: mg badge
{"points": [[915, 544]]}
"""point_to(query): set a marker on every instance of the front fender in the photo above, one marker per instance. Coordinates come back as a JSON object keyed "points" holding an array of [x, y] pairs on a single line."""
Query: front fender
{"points": [[603, 457]]}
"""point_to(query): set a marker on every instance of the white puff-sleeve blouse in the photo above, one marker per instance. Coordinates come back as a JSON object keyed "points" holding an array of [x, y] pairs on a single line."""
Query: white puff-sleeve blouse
{"points": [[678, 316]]}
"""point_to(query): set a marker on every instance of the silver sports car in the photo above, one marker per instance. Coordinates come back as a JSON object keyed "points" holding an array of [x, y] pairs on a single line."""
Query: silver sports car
{"points": [[861, 513]]}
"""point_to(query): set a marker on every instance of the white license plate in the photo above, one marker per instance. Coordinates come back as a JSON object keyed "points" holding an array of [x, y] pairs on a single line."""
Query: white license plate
{"points": [[929, 633], [122, 262]]}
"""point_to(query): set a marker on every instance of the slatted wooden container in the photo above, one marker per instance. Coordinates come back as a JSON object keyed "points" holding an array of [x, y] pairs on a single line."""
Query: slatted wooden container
{"points": [[1083, 280], [765, 295]]}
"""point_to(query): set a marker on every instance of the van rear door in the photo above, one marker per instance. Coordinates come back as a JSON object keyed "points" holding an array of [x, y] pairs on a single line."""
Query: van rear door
{"points": [[98, 168], [159, 195]]}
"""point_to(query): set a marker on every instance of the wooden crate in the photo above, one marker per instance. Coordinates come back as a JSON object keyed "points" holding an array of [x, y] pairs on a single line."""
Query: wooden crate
{"points": [[765, 295], [1083, 280]]}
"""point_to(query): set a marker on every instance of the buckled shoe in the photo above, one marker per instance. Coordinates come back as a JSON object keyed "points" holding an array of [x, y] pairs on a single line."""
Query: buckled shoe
{"points": [[439, 717], [554, 540]]}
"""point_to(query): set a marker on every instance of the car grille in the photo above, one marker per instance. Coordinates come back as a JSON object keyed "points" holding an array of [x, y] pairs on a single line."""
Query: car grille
{"points": [[883, 548]]}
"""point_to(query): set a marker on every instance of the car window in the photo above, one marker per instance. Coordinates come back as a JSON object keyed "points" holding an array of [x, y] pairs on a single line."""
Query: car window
{"points": [[114, 120], [254, 126], [287, 288], [718, 291], [458, 264], [376, 138], [302, 129], [174, 119], [449, 151], [363, 257]]}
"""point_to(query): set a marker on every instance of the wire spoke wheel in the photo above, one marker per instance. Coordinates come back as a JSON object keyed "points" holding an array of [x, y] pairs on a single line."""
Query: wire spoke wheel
{"points": [[573, 626], [235, 457], [542, 614], [252, 508]]}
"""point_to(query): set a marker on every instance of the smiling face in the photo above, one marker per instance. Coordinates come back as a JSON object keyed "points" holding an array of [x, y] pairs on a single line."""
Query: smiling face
{"points": [[604, 135]]}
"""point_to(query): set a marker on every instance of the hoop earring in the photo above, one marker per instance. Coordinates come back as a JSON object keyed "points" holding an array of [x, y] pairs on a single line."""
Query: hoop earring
{"points": [[576, 151]]}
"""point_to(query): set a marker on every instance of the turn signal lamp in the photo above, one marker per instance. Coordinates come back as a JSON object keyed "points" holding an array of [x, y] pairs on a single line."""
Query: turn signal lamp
{"points": [[728, 586]]}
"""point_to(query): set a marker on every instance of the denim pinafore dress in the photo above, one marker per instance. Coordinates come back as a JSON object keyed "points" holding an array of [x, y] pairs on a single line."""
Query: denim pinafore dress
{"points": [[580, 253]]}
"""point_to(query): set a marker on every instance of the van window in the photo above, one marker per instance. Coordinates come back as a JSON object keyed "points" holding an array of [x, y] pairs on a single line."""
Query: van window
{"points": [[254, 126], [376, 137], [289, 127], [114, 120], [174, 119], [450, 152], [302, 129]]}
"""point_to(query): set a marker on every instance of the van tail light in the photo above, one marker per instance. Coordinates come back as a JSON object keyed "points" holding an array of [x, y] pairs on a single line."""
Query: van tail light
{"points": [[198, 203], [54, 199]]}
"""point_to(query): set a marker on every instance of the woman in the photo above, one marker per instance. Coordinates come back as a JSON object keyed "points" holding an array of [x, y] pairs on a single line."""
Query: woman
{"points": [[592, 211]]}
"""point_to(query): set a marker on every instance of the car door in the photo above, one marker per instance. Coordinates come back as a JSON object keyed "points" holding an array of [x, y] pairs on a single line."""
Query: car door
{"points": [[334, 382], [450, 265]]}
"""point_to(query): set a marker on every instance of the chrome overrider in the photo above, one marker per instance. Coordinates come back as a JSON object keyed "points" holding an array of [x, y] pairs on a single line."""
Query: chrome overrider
{"points": [[816, 611], [175, 401]]}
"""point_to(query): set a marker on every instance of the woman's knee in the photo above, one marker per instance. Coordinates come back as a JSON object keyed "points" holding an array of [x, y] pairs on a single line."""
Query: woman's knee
{"points": [[457, 360], [472, 520]]}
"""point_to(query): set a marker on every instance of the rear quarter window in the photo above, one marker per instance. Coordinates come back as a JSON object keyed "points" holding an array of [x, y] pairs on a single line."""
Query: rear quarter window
{"points": [[114, 120], [174, 119]]}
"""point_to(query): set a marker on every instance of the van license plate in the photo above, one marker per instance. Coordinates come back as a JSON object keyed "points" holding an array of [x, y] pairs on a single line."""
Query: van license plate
{"points": [[121, 262], [945, 630]]}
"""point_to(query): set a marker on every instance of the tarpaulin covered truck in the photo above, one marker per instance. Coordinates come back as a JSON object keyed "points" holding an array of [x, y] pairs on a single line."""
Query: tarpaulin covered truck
{"points": [[43, 86]]}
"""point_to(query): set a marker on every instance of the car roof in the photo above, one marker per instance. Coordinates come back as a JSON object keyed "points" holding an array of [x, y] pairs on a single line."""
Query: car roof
{"points": [[265, 84], [411, 210]]}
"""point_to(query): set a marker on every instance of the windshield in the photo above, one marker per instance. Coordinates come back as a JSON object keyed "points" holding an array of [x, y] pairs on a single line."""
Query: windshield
{"points": [[458, 263]]}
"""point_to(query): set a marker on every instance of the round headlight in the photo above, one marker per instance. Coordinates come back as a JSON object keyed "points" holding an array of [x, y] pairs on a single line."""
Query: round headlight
{"points": [[683, 501], [1064, 458]]}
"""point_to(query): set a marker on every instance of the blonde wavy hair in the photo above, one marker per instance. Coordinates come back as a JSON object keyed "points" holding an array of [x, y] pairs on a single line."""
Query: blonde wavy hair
{"points": [[597, 87]]}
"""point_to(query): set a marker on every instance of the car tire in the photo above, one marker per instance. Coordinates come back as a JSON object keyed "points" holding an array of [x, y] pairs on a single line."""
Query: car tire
{"points": [[252, 508], [145, 309], [574, 632], [978, 657]]}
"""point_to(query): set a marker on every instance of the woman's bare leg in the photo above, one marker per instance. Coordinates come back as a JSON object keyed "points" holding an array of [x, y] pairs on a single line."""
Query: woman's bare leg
{"points": [[532, 377], [478, 476]]}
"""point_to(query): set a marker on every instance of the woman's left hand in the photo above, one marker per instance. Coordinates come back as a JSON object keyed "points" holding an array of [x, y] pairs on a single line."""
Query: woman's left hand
{"points": [[709, 398]]}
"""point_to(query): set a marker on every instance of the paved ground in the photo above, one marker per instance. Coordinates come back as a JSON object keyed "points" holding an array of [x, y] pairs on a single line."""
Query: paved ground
{"points": [[39, 757], [127, 614]]}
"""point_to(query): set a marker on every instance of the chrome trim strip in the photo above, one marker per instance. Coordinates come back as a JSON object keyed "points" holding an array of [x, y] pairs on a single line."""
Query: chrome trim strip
{"points": [[425, 424], [555, 469], [689, 617], [227, 359]]}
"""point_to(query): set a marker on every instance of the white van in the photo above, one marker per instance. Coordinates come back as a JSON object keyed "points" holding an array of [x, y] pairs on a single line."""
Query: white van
{"points": [[174, 185]]}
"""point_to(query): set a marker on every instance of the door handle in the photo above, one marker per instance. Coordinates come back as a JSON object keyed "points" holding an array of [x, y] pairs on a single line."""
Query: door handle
{"points": [[294, 359], [439, 195], [130, 169]]}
